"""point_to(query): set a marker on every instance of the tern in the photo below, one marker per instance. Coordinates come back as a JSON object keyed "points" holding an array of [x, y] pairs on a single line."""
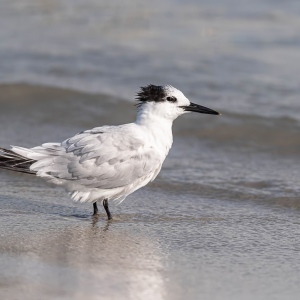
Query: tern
{"points": [[109, 162]]}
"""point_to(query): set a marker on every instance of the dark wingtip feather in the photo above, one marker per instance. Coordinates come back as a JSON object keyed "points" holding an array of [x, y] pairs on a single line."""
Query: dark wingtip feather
{"points": [[10, 160]]}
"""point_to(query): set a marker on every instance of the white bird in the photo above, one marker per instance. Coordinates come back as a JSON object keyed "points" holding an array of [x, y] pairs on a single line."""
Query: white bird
{"points": [[109, 162]]}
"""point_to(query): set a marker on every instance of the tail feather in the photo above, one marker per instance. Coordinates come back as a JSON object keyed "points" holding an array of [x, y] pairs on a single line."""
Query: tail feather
{"points": [[15, 162]]}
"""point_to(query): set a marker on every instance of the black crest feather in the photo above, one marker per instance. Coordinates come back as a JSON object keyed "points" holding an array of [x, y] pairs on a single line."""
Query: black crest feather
{"points": [[151, 92]]}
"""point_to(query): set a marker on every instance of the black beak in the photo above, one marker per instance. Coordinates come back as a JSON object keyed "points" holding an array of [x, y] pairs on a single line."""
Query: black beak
{"points": [[200, 109]]}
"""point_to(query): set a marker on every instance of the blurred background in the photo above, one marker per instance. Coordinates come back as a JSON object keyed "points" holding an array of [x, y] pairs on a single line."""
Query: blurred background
{"points": [[227, 200]]}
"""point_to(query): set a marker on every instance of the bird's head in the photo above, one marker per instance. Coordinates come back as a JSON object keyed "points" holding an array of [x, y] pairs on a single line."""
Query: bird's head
{"points": [[166, 102]]}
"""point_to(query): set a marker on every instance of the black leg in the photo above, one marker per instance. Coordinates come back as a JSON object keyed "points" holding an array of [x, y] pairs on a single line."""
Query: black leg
{"points": [[105, 204], [95, 208]]}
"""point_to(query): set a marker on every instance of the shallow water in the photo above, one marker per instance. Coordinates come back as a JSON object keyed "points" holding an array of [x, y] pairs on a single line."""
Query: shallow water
{"points": [[221, 220]]}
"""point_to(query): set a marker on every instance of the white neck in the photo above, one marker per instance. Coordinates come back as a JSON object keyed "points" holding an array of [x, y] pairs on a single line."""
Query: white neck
{"points": [[158, 127], [148, 118]]}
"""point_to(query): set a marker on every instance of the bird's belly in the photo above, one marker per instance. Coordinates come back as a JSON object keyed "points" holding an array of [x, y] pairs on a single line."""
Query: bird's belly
{"points": [[85, 193]]}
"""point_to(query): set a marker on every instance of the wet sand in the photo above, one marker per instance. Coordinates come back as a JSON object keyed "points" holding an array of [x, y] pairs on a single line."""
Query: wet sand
{"points": [[174, 239]]}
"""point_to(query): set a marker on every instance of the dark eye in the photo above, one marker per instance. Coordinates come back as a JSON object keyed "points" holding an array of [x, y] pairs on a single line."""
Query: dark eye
{"points": [[172, 99]]}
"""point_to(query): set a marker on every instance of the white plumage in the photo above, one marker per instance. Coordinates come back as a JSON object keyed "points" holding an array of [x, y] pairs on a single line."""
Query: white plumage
{"points": [[111, 162]]}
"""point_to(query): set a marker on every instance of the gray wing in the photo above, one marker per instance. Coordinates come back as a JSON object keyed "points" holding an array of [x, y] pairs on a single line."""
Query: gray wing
{"points": [[104, 158]]}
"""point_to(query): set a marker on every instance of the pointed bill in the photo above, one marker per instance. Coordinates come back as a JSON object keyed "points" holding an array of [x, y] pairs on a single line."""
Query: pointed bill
{"points": [[200, 109]]}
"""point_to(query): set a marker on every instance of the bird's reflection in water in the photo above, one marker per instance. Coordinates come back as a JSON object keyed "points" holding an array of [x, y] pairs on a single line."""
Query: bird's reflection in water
{"points": [[93, 260], [97, 218]]}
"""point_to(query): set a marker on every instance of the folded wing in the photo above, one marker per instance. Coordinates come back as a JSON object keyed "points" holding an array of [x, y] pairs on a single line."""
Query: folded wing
{"points": [[98, 158]]}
